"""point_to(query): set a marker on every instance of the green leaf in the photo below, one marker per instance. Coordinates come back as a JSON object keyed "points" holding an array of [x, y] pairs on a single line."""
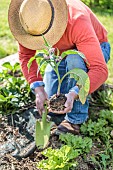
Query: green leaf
{"points": [[38, 55], [104, 160], [16, 66], [82, 145], [81, 74], [45, 41], [42, 62], [41, 52], [30, 62], [42, 131], [7, 65], [68, 52], [59, 159], [2, 98], [82, 81], [82, 95], [107, 115]]}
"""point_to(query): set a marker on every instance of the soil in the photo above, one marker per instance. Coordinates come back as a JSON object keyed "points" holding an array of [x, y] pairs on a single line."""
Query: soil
{"points": [[10, 160], [30, 163], [57, 102], [17, 147]]}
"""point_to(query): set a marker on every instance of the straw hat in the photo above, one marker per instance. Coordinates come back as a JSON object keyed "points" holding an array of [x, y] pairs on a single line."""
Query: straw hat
{"points": [[29, 19]]}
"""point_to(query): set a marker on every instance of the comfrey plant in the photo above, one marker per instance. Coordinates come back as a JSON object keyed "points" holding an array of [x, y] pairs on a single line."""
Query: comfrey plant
{"points": [[52, 56]]}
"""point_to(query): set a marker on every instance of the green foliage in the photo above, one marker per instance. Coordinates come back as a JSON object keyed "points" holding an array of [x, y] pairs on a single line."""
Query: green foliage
{"points": [[42, 130], [82, 81], [59, 159], [105, 98], [107, 115], [7, 42], [104, 4], [82, 145], [96, 129], [14, 90], [12, 68], [104, 159], [63, 158], [68, 52], [96, 162], [100, 131]]}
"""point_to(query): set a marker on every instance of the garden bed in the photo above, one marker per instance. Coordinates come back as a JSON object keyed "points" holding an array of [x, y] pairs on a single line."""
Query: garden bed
{"points": [[17, 139], [92, 149]]}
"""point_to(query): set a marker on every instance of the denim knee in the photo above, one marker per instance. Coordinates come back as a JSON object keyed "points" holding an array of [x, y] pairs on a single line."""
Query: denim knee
{"points": [[75, 61], [105, 47]]}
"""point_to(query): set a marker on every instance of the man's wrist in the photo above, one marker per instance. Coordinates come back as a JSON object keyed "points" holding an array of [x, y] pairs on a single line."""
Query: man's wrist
{"points": [[35, 85], [74, 95], [75, 90]]}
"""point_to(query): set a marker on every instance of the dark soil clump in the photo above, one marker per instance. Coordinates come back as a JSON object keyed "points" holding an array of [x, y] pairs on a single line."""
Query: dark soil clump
{"points": [[57, 102]]}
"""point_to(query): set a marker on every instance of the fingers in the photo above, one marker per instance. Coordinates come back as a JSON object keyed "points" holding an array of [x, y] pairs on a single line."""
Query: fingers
{"points": [[40, 105], [69, 103], [57, 112], [66, 110]]}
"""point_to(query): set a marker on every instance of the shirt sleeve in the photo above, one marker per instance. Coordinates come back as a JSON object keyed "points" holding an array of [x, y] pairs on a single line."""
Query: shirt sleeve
{"points": [[24, 55], [86, 41]]}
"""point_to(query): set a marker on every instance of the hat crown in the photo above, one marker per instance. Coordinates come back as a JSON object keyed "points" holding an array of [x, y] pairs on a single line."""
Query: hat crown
{"points": [[35, 16]]}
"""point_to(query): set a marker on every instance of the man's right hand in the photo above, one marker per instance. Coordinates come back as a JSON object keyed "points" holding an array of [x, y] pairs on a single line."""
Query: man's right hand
{"points": [[41, 97]]}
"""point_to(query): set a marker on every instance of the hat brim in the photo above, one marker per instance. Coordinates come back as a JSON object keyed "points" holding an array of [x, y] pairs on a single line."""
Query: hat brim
{"points": [[36, 42]]}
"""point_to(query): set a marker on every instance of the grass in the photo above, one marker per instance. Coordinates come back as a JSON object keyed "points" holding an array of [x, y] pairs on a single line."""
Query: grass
{"points": [[8, 44], [107, 22]]}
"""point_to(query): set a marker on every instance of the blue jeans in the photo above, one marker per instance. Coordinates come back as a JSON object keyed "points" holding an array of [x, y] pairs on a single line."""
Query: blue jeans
{"points": [[79, 113]]}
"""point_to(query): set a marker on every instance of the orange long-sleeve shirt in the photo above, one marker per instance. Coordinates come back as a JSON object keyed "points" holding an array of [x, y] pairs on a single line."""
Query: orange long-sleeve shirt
{"points": [[83, 31]]}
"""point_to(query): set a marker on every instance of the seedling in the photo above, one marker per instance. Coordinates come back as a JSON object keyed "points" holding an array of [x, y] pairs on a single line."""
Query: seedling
{"points": [[52, 56]]}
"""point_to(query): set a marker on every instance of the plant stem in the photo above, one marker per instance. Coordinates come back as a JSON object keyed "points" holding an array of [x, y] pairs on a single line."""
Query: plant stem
{"points": [[59, 80], [59, 86]]}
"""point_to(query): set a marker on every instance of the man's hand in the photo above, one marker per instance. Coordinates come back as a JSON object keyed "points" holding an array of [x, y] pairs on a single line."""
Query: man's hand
{"points": [[41, 97], [71, 96]]}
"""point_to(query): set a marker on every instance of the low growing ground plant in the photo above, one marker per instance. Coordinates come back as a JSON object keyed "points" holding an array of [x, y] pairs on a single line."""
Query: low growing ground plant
{"points": [[103, 97], [65, 157], [14, 90], [100, 132]]}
